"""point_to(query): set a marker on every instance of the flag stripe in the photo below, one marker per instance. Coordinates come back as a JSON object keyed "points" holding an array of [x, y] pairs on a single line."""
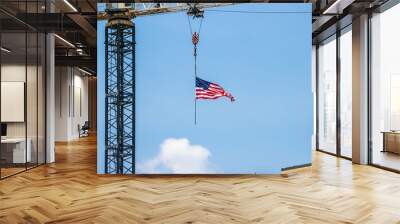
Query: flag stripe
{"points": [[209, 90]]}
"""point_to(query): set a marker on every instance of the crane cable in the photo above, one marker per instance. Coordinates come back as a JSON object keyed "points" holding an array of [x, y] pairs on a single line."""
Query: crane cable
{"points": [[195, 35], [195, 40]]}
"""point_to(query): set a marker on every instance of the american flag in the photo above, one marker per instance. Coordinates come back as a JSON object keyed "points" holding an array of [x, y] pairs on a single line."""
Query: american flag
{"points": [[210, 91]]}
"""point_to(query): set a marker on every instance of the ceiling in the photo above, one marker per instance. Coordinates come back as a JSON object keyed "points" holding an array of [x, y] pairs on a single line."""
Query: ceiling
{"points": [[74, 22]]}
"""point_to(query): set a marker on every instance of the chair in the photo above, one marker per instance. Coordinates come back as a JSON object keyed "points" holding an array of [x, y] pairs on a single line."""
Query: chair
{"points": [[84, 130]]}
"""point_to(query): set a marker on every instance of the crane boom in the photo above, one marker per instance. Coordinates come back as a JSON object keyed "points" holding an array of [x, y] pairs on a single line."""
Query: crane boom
{"points": [[144, 9]]}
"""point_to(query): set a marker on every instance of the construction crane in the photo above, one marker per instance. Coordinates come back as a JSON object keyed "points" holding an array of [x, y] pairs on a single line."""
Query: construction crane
{"points": [[120, 93], [120, 76], [145, 9]]}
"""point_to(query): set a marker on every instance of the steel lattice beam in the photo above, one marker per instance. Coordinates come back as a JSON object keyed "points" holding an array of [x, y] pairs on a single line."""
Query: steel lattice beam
{"points": [[120, 97], [144, 9]]}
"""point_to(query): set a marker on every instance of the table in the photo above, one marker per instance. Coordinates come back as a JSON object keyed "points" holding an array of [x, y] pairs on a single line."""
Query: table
{"points": [[391, 141], [13, 150]]}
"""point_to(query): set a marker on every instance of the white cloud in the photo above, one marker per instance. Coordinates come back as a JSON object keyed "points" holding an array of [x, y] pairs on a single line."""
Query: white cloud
{"points": [[178, 156]]}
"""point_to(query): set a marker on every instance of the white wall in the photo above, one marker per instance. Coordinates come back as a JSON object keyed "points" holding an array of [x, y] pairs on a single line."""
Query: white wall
{"points": [[62, 82], [80, 112], [12, 73], [17, 73], [71, 87], [33, 126]]}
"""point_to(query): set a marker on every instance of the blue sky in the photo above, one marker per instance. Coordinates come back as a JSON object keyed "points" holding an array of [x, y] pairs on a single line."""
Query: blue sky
{"points": [[263, 59]]}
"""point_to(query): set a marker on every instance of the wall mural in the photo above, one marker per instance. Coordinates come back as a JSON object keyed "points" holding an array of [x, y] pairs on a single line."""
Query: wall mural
{"points": [[225, 92]]}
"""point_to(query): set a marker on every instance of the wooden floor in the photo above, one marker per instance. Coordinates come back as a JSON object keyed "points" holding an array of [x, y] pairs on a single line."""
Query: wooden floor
{"points": [[5, 172], [69, 191]]}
